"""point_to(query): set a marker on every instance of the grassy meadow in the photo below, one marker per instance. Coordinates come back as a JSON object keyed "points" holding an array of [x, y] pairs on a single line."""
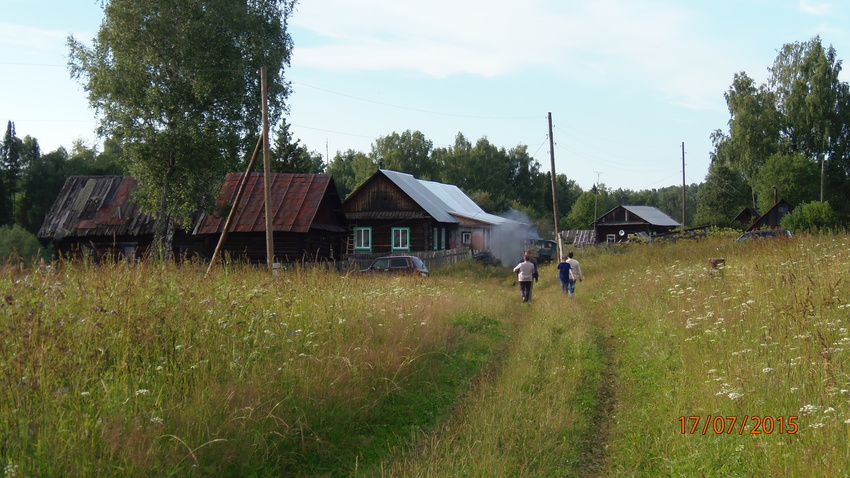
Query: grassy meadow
{"points": [[159, 370]]}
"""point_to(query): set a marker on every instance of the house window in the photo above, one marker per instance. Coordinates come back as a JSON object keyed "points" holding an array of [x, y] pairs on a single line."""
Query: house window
{"points": [[401, 239], [362, 238], [436, 240], [611, 238], [466, 237]]}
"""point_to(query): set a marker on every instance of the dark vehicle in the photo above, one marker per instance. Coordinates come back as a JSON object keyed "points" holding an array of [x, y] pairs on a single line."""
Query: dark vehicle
{"points": [[546, 250], [763, 234], [486, 257], [398, 265]]}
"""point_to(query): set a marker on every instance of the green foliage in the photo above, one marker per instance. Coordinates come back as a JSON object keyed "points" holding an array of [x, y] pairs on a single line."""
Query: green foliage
{"points": [[409, 152], [811, 217], [725, 193], [350, 169], [795, 178], [17, 244], [176, 81], [791, 130], [288, 156]]}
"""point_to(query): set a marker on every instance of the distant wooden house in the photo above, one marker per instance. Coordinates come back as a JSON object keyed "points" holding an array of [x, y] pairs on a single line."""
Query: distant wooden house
{"points": [[98, 216], [772, 218], [307, 218], [394, 212], [621, 222], [747, 216]]}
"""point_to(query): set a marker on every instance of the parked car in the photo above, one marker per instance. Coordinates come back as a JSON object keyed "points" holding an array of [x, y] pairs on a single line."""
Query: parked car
{"points": [[398, 264], [763, 234]]}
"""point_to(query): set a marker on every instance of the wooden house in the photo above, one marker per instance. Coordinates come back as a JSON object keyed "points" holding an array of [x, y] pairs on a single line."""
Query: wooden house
{"points": [[307, 219], [772, 218], [621, 222], [393, 212], [97, 215]]}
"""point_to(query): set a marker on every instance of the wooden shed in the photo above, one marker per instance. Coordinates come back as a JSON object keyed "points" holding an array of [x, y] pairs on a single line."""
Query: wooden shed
{"points": [[307, 218], [772, 218], [621, 222]]}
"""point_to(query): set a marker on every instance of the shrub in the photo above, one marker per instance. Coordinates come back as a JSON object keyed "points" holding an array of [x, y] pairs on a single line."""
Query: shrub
{"points": [[810, 217], [16, 243]]}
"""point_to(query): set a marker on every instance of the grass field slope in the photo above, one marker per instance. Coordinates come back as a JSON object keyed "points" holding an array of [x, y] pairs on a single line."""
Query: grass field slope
{"points": [[660, 366]]}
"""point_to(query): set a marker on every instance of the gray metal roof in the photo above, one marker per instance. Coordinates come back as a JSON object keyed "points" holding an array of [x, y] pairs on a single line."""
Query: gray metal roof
{"points": [[423, 196], [652, 215], [461, 205]]}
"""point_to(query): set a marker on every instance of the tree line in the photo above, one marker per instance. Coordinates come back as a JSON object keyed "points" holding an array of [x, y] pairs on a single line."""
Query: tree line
{"points": [[788, 137]]}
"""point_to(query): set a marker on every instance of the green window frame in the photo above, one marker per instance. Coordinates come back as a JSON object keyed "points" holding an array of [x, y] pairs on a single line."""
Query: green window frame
{"points": [[363, 239], [401, 239]]}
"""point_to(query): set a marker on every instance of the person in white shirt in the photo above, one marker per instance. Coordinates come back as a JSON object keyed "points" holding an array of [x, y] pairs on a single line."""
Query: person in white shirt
{"points": [[525, 277], [577, 275]]}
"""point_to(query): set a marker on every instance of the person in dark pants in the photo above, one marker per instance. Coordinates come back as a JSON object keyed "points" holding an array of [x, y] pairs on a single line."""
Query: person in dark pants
{"points": [[565, 273], [525, 276]]}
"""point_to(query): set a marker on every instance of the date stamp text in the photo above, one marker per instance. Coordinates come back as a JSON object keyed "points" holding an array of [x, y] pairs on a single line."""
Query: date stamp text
{"points": [[729, 424]]}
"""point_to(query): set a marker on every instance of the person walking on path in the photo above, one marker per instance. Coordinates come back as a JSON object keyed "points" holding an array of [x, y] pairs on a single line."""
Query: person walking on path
{"points": [[576, 273], [525, 276], [565, 273]]}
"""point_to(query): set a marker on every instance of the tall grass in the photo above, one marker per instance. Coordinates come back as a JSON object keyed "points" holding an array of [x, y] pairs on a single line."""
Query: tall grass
{"points": [[159, 370], [141, 370], [765, 336]]}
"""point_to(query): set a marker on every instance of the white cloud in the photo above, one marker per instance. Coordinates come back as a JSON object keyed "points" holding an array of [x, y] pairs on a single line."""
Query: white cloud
{"points": [[618, 41], [817, 9]]}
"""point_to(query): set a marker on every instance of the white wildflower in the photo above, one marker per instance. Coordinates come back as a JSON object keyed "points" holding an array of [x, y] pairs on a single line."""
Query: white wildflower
{"points": [[817, 425], [735, 396], [142, 391], [766, 370]]}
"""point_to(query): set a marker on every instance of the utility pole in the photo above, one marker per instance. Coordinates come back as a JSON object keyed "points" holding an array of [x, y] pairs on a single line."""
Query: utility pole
{"points": [[267, 172], [596, 197], [683, 185], [554, 189]]}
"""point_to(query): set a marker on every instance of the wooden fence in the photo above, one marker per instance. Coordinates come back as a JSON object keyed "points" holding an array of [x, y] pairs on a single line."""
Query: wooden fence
{"points": [[432, 259]]}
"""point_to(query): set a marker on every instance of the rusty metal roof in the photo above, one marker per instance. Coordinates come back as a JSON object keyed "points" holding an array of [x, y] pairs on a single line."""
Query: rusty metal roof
{"points": [[295, 199], [96, 206]]}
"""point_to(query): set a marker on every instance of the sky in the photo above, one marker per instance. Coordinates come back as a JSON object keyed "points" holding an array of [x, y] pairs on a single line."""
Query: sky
{"points": [[630, 84]]}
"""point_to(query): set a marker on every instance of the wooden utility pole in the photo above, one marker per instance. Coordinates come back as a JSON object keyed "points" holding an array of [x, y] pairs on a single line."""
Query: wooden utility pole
{"points": [[554, 189], [267, 171], [240, 188], [684, 196]]}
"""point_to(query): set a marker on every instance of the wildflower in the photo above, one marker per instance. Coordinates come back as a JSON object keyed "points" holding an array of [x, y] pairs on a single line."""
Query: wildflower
{"points": [[143, 391], [794, 389], [828, 410], [735, 396], [84, 394], [157, 420], [10, 470], [817, 425], [808, 409], [766, 370]]}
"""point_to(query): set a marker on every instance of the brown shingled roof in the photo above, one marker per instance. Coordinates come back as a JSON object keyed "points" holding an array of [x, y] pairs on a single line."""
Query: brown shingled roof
{"points": [[295, 200]]}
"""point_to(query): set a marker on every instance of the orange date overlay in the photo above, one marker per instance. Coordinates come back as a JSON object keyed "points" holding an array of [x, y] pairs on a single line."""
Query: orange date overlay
{"points": [[728, 424]]}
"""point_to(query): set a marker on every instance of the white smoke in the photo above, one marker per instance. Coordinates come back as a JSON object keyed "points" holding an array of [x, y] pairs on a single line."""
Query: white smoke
{"points": [[508, 240]]}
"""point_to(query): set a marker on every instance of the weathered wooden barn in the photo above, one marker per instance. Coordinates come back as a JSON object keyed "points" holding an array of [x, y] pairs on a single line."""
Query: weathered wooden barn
{"points": [[97, 215], [772, 218], [395, 212], [621, 222], [308, 220]]}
